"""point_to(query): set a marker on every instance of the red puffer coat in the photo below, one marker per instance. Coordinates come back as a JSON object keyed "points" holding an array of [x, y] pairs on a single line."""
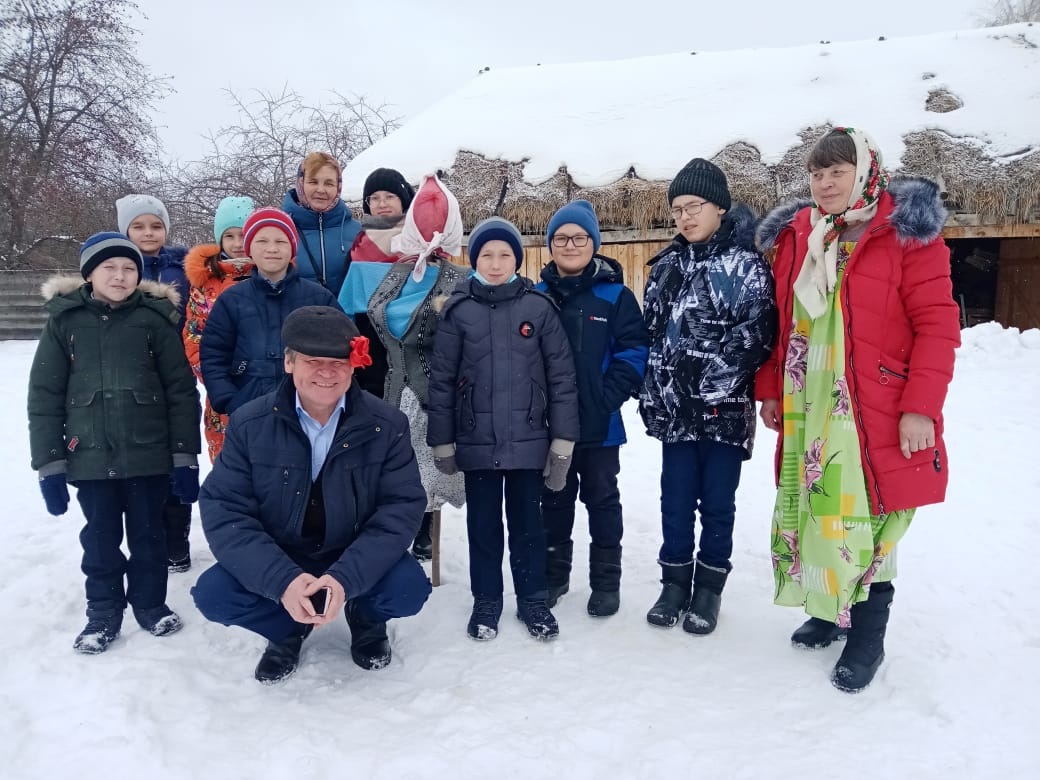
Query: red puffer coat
{"points": [[901, 329]]}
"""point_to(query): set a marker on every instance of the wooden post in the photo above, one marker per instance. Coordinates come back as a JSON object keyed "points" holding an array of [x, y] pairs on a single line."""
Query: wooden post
{"points": [[435, 537]]}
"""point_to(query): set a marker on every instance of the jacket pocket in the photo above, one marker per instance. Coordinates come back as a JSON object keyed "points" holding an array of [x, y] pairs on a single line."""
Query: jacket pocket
{"points": [[538, 408], [81, 409], [465, 416], [150, 425]]}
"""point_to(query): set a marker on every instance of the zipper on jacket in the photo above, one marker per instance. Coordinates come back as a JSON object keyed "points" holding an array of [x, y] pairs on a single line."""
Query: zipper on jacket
{"points": [[868, 465], [321, 243], [887, 372]]}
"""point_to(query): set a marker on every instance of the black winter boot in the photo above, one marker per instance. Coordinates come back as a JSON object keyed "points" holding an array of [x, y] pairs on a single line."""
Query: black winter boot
{"points": [[483, 621], [605, 579], [280, 660], [865, 649], [369, 645], [422, 547], [158, 621], [708, 582], [558, 559], [677, 579], [101, 630], [816, 634], [535, 614]]}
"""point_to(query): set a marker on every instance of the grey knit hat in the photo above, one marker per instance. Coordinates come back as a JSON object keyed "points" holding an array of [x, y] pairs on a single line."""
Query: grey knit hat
{"points": [[702, 179], [104, 246]]}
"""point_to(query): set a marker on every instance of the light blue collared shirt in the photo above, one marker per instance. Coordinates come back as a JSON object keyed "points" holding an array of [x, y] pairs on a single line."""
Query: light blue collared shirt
{"points": [[320, 436]]}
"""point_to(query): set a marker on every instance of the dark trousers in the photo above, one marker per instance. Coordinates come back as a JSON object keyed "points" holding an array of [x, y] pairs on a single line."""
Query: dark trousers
{"points": [[177, 519], [223, 599], [523, 492], [107, 504], [699, 477], [593, 478]]}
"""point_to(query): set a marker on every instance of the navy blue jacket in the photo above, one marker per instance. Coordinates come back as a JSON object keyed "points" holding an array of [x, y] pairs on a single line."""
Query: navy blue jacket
{"points": [[168, 268], [501, 377], [325, 241], [254, 501], [241, 353], [609, 340]]}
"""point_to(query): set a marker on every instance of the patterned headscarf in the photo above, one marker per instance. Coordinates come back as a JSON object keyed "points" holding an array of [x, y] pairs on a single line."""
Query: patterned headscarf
{"points": [[819, 272]]}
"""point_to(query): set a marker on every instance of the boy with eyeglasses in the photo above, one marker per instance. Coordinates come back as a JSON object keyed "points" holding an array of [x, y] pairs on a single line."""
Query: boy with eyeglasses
{"points": [[710, 308], [610, 345]]}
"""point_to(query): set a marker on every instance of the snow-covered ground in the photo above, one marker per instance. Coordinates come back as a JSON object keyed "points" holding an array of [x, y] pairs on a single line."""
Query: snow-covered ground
{"points": [[615, 698]]}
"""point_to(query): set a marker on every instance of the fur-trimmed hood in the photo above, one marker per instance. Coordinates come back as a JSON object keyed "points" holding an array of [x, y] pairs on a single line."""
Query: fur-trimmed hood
{"points": [[62, 285], [196, 265], [917, 213]]}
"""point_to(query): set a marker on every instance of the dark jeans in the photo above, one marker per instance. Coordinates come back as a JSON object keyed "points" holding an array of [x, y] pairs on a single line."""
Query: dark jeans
{"points": [[523, 491], [699, 477], [106, 504], [177, 519], [222, 599], [593, 478]]}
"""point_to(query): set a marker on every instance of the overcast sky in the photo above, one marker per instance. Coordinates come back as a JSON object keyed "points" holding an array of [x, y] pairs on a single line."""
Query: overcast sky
{"points": [[409, 53]]}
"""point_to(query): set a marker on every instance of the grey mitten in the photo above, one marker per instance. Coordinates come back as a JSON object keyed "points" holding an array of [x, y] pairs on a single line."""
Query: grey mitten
{"points": [[558, 464], [444, 459]]}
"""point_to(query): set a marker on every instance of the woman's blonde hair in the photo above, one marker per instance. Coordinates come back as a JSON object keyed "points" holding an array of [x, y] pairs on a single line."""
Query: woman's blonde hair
{"points": [[315, 161]]}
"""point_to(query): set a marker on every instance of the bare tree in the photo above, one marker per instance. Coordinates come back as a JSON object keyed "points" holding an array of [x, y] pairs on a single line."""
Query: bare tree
{"points": [[74, 107], [258, 155], [1001, 12]]}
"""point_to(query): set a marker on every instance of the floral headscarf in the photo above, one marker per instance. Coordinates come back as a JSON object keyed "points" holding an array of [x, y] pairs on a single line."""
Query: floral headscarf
{"points": [[819, 271]]}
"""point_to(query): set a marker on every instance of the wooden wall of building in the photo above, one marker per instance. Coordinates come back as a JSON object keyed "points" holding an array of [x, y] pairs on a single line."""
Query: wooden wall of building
{"points": [[1018, 283]]}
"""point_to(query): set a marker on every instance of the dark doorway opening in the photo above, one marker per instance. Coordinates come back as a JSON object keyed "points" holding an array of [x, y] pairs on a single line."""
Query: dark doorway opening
{"points": [[973, 268]]}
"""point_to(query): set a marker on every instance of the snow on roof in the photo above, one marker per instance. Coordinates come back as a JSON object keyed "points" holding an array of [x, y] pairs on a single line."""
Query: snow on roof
{"points": [[652, 114]]}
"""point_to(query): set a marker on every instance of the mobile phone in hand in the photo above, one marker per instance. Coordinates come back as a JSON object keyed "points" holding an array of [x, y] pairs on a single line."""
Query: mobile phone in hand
{"points": [[320, 601]]}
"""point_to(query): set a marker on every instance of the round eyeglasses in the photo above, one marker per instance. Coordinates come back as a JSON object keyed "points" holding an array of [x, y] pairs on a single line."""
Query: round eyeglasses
{"points": [[690, 209]]}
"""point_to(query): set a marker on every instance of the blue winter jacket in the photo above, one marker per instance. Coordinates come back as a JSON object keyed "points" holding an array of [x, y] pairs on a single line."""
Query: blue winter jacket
{"points": [[501, 377], [609, 340], [241, 353], [168, 268], [254, 501], [325, 241]]}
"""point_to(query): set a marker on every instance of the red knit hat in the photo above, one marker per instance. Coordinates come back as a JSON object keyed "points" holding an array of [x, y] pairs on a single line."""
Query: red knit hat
{"points": [[269, 217]]}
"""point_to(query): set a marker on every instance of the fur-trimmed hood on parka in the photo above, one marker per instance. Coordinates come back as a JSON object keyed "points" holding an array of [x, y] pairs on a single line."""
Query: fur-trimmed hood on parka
{"points": [[61, 285], [917, 215], [196, 265]]}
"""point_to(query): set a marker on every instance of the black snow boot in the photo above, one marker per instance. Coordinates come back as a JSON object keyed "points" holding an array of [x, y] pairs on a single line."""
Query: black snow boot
{"points": [[605, 579], [677, 579], [280, 660], [483, 621], [558, 559], [158, 621], [369, 645], [708, 582], [422, 547], [177, 519], [816, 634], [865, 649], [101, 630], [535, 614]]}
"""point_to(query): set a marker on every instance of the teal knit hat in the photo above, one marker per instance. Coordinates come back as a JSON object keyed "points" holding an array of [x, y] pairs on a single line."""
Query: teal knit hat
{"points": [[231, 213]]}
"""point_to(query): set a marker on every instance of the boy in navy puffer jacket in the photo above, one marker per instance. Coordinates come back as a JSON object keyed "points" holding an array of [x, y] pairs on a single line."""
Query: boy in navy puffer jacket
{"points": [[610, 344], [503, 402]]}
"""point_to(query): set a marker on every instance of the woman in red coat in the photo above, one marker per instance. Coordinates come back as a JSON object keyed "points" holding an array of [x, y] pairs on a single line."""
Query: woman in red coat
{"points": [[855, 387]]}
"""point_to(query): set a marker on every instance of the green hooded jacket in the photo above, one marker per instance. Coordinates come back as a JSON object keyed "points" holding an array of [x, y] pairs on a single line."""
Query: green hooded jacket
{"points": [[110, 389]]}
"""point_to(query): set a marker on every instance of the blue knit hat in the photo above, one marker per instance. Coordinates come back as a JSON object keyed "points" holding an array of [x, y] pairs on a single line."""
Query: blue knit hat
{"points": [[495, 229], [104, 246], [232, 212], [577, 212]]}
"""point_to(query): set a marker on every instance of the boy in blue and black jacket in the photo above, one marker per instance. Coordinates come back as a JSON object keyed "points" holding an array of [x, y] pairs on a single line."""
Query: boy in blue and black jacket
{"points": [[610, 344]]}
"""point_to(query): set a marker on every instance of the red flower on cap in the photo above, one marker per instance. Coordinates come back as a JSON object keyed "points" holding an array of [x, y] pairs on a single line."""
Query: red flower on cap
{"points": [[269, 217], [359, 357]]}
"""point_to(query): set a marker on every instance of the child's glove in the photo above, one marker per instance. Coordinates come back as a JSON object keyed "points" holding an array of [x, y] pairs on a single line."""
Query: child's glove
{"points": [[55, 493], [558, 464], [444, 459], [184, 483]]}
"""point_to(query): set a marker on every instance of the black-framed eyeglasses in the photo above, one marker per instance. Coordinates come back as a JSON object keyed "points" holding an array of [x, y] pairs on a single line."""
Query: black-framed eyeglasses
{"points": [[690, 209], [579, 241]]}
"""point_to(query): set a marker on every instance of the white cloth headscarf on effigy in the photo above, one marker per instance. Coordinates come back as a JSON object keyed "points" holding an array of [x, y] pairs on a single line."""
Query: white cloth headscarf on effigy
{"points": [[433, 225]]}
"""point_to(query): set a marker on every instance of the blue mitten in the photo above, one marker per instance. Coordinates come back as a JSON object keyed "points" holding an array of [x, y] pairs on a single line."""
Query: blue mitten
{"points": [[55, 493], [185, 483]]}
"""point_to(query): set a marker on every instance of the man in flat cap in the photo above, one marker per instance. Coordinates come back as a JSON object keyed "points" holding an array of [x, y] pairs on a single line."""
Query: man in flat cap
{"points": [[313, 504]]}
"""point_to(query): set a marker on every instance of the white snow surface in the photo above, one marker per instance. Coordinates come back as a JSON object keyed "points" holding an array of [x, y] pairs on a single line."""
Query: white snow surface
{"points": [[611, 698], [653, 114]]}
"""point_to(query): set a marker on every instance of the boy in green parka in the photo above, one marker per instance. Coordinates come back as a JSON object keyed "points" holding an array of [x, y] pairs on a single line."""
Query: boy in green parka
{"points": [[113, 409]]}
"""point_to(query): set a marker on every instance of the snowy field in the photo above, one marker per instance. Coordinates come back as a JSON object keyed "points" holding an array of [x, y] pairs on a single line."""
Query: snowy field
{"points": [[614, 698]]}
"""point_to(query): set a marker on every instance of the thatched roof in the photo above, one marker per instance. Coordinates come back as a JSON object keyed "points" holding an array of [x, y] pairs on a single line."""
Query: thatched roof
{"points": [[962, 108]]}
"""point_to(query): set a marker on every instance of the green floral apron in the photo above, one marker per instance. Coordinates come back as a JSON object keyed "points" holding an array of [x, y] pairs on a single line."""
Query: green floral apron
{"points": [[827, 546]]}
